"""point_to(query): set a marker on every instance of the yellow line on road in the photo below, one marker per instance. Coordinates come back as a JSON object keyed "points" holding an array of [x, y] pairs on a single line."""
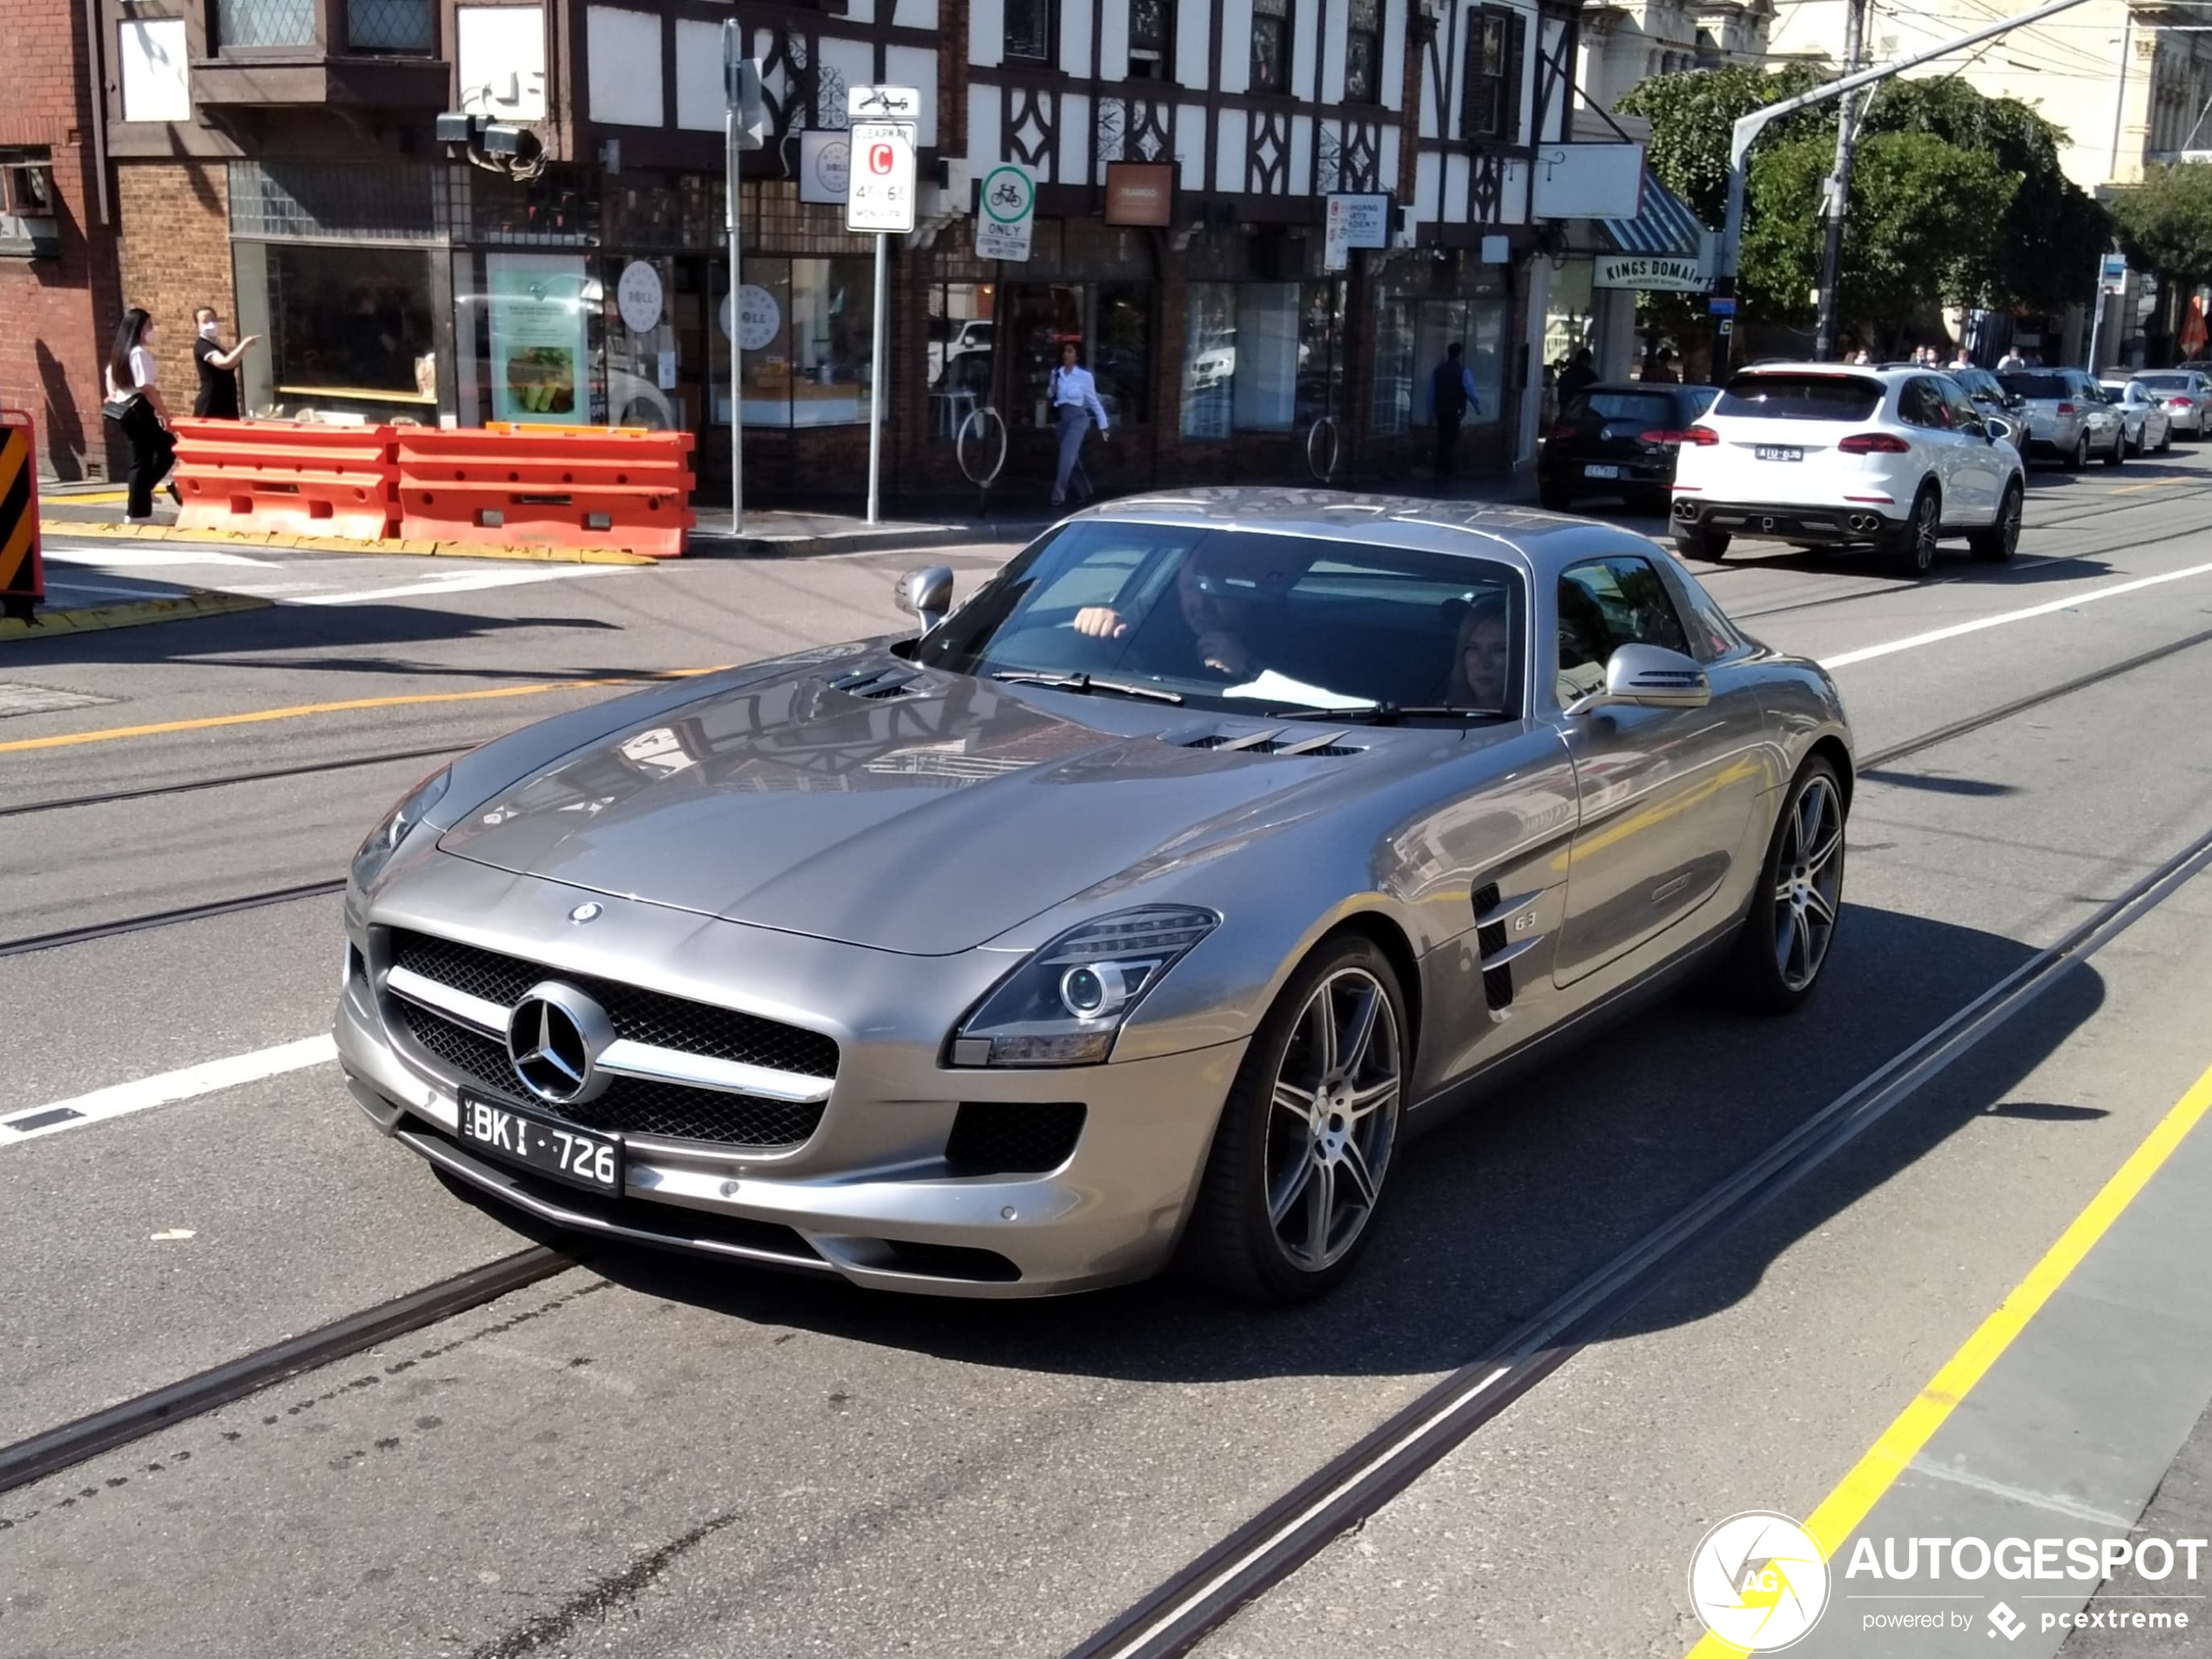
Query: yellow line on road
{"points": [[256, 717], [1842, 1511], [2152, 483]]}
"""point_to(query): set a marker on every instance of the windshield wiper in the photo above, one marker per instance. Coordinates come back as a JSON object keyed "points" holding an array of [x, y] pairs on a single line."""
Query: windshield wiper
{"points": [[1085, 683], [1387, 713]]}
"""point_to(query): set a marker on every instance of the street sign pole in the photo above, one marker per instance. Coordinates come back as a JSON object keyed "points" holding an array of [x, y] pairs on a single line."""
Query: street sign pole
{"points": [[875, 395], [879, 199], [744, 124]]}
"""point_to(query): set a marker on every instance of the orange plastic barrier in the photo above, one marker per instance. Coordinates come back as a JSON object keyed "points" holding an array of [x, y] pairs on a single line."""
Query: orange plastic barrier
{"points": [[295, 478], [567, 486], [23, 575]]}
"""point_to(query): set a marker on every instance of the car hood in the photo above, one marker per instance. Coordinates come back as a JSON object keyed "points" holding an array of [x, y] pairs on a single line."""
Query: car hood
{"points": [[926, 820]]}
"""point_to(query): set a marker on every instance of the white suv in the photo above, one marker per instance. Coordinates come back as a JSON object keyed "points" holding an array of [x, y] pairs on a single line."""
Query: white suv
{"points": [[1821, 455]]}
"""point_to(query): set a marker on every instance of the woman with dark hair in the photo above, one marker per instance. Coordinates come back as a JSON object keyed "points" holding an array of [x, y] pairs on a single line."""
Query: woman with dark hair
{"points": [[135, 404]]}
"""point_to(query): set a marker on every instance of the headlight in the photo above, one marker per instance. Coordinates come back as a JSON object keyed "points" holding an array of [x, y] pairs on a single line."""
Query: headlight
{"points": [[1064, 1006], [384, 841]]}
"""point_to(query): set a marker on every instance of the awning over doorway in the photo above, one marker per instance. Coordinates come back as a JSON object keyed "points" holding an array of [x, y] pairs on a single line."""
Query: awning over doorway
{"points": [[1664, 229]]}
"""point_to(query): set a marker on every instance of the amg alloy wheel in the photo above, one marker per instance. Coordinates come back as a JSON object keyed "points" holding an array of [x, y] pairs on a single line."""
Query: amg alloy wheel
{"points": [[1299, 1162], [1911, 548], [1792, 922], [1998, 543]]}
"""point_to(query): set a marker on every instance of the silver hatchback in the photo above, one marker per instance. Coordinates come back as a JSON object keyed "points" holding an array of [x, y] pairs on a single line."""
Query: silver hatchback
{"points": [[2067, 416]]}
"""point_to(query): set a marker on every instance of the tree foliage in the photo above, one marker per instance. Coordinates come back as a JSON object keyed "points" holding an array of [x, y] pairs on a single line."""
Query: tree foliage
{"points": [[1691, 117], [2166, 222]]}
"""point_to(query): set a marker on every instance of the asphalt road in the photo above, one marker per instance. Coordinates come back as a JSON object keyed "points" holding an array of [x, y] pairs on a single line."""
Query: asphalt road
{"points": [[646, 1455]]}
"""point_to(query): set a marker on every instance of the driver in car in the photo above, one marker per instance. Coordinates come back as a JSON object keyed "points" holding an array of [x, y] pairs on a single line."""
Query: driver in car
{"points": [[1222, 602]]}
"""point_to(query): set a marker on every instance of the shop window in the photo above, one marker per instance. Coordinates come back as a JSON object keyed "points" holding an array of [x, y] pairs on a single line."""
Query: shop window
{"points": [[1151, 40], [391, 25], [352, 330], [1209, 359], [1480, 325], [1260, 356], [1490, 105], [263, 23], [807, 330], [1271, 45], [962, 352], [1267, 349], [1363, 53], [1320, 352], [637, 300], [1029, 32], [1109, 323], [1391, 407]]}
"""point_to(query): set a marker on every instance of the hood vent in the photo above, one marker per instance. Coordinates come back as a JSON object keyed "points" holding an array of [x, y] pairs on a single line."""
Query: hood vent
{"points": [[897, 680], [1277, 740]]}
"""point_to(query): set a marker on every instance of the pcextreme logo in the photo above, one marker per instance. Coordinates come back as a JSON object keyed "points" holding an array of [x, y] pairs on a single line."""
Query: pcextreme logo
{"points": [[1759, 1580]]}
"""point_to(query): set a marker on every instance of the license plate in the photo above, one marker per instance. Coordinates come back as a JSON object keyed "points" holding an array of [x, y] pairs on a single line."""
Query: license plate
{"points": [[562, 1150], [1779, 452], [1596, 471]]}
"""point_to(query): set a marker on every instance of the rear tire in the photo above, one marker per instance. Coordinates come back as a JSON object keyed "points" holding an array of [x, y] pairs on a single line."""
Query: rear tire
{"points": [[1784, 941], [2119, 448], [1910, 550], [2079, 458], [1694, 542], [1997, 544], [1301, 1157]]}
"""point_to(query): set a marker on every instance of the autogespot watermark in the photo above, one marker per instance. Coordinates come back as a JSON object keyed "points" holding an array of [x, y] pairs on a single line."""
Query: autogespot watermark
{"points": [[1761, 1581]]}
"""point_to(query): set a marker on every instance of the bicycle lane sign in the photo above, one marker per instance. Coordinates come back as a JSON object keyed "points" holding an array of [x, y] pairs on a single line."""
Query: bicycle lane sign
{"points": [[1006, 211]]}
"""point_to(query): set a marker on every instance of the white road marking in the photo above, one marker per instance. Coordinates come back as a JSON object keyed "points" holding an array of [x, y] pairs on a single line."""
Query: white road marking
{"points": [[166, 1087], [2072, 1508], [122, 553], [466, 583], [1936, 635]]}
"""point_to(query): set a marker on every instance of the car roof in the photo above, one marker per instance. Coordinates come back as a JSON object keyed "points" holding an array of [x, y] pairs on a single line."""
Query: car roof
{"points": [[1538, 543], [1655, 387], [1883, 372]]}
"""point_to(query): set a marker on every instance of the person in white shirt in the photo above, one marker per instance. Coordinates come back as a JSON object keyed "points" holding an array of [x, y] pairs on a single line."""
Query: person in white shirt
{"points": [[135, 404], [1075, 396], [2011, 361]]}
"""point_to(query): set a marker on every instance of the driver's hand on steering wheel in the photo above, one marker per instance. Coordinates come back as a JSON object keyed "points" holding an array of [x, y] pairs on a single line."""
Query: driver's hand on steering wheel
{"points": [[1101, 622]]}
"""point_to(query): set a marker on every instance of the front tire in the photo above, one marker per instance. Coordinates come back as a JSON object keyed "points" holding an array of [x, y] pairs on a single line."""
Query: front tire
{"points": [[1303, 1151], [1911, 548], [1694, 542], [1785, 939], [1997, 544]]}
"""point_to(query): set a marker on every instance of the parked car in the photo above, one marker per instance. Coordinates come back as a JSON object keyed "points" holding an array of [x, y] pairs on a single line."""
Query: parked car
{"points": [[1821, 455], [1618, 439], [2187, 393], [2066, 416], [1988, 392], [952, 337], [1055, 957], [2143, 412]]}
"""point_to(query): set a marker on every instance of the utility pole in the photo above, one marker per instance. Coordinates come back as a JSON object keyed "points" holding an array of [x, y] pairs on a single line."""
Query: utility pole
{"points": [[1836, 195]]}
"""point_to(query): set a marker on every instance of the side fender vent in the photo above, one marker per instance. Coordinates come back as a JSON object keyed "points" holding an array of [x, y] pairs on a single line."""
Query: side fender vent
{"points": [[1504, 927]]}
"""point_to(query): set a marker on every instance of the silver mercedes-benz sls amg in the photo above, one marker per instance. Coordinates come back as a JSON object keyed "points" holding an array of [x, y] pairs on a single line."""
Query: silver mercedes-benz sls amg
{"points": [[1129, 914]]}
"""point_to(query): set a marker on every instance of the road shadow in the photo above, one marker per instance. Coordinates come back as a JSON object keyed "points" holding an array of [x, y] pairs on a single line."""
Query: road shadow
{"points": [[1497, 1212]]}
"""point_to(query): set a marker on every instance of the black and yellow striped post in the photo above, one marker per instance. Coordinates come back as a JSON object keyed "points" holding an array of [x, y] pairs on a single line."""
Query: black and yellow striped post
{"points": [[23, 574]]}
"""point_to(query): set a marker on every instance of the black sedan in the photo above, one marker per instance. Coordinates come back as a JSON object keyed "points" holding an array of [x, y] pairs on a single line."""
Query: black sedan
{"points": [[1618, 439]]}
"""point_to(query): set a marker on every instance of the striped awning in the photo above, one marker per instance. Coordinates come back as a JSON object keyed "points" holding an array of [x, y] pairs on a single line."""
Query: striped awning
{"points": [[1664, 229]]}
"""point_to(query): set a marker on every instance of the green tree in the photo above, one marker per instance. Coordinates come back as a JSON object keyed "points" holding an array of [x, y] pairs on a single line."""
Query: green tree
{"points": [[1691, 118], [2166, 222], [1926, 223]]}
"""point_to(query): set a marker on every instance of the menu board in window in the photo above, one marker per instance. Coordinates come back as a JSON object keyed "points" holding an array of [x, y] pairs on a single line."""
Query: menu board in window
{"points": [[540, 344]]}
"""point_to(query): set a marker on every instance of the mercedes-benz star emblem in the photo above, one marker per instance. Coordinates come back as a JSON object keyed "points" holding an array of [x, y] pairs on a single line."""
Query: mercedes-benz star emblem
{"points": [[587, 911], [554, 1037]]}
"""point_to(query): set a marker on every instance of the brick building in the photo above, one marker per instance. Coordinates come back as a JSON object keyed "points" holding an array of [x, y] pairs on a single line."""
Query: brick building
{"points": [[279, 159], [57, 282]]}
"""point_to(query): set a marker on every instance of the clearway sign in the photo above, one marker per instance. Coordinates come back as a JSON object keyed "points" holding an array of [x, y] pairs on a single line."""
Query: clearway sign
{"points": [[1651, 273], [883, 173]]}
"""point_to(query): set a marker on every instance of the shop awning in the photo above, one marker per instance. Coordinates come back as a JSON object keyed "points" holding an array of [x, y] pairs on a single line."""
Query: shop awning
{"points": [[1664, 229]]}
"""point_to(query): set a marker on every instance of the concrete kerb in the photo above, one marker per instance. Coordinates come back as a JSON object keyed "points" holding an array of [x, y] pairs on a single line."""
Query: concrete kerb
{"points": [[337, 544], [917, 537], [87, 619]]}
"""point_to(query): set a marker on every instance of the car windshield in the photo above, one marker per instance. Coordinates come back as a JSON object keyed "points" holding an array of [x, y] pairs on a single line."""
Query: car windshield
{"points": [[1653, 408], [1801, 397], [2034, 384], [1237, 620]]}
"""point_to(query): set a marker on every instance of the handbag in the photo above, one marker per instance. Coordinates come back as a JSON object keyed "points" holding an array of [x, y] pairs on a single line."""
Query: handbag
{"points": [[119, 408]]}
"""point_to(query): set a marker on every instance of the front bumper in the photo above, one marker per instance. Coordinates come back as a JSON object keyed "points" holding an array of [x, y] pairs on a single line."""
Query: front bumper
{"points": [[870, 1195], [1851, 523]]}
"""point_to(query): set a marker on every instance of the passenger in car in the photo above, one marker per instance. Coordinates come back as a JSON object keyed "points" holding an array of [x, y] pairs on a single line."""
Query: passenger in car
{"points": [[1481, 656]]}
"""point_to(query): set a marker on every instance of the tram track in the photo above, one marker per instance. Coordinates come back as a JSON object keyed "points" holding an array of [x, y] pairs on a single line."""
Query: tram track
{"points": [[189, 785]]}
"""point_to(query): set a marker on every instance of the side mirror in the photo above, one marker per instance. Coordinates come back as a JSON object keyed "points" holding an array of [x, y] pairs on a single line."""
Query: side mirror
{"points": [[1998, 429], [926, 593], [1649, 677]]}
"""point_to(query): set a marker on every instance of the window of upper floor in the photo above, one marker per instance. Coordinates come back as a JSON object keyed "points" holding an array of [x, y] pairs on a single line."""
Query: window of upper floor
{"points": [[1363, 53], [1271, 45], [1029, 32], [1490, 99], [1151, 40]]}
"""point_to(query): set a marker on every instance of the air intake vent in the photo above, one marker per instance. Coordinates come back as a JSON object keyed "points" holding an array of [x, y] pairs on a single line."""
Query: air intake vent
{"points": [[1490, 940], [877, 683], [1319, 745], [1013, 1137]]}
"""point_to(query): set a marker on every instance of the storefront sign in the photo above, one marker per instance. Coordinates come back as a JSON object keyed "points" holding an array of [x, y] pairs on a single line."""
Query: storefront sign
{"points": [[1367, 216], [825, 166], [1649, 273], [637, 296], [881, 196], [1140, 193], [2112, 273], [759, 322], [1009, 209], [539, 346]]}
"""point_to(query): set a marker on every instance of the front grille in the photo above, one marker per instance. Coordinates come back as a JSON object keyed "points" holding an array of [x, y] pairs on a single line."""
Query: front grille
{"points": [[1013, 1137], [641, 1015], [630, 1105]]}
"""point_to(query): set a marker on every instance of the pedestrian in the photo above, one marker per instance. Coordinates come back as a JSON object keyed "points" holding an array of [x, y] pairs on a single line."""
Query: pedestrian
{"points": [[1578, 373], [1658, 367], [218, 397], [135, 404], [1452, 398], [1075, 394], [1961, 359], [2011, 359], [1859, 358]]}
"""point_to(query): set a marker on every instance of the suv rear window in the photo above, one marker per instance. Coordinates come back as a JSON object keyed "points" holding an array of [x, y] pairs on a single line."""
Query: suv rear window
{"points": [[2037, 385], [1654, 409], [1801, 397]]}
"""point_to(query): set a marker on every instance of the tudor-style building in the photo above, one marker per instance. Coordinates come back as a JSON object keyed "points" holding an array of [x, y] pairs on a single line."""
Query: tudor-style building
{"points": [[279, 159]]}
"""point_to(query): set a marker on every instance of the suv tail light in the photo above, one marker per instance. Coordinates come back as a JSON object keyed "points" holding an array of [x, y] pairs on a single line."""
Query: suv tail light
{"points": [[2065, 408], [1703, 436], [1659, 435], [1562, 431], [1875, 444]]}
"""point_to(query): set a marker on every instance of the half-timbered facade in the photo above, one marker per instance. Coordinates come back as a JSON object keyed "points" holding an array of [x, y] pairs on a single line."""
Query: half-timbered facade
{"points": [[279, 159]]}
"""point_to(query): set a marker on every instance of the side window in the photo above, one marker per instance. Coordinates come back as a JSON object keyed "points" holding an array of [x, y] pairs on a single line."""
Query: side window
{"points": [[1915, 407], [1960, 407], [1607, 604]]}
